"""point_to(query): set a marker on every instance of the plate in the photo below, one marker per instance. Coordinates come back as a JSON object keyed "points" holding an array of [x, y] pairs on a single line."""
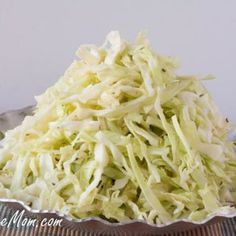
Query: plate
{"points": [[224, 224]]}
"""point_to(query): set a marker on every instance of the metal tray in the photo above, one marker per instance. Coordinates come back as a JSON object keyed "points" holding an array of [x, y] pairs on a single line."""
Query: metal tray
{"points": [[220, 225]]}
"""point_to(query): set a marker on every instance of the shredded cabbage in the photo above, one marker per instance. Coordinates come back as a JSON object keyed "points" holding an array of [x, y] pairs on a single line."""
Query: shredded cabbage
{"points": [[121, 136]]}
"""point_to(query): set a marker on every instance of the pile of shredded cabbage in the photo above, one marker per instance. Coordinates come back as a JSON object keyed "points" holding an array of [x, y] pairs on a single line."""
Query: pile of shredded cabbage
{"points": [[121, 136]]}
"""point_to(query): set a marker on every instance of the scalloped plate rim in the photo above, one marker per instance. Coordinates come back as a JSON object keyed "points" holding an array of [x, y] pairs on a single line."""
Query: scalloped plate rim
{"points": [[106, 222]]}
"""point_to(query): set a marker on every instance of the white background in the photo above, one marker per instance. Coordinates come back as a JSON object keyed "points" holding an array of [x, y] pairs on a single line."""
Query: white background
{"points": [[38, 40]]}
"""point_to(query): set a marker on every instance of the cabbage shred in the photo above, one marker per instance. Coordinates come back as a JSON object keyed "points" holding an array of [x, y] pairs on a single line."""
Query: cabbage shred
{"points": [[121, 136]]}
